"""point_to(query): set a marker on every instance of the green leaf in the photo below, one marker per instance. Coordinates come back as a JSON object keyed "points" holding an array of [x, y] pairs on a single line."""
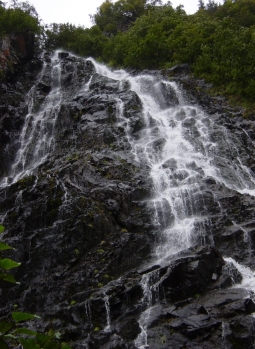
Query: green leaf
{"points": [[3, 344], [65, 346], [51, 345], [1, 228], [25, 331], [3, 276], [4, 246], [7, 264], [42, 338], [29, 343], [10, 278], [19, 317], [5, 326]]}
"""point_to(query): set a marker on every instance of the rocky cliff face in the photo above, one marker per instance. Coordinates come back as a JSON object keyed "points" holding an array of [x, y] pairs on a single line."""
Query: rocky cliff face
{"points": [[19, 67], [121, 197]]}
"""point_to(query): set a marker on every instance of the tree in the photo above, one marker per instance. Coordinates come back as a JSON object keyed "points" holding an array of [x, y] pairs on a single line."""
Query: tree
{"points": [[242, 11], [201, 5], [212, 6], [145, 45], [80, 40], [113, 17]]}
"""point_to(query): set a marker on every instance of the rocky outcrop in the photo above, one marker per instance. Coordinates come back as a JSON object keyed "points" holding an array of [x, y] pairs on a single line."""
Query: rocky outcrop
{"points": [[5, 52], [15, 50], [83, 222]]}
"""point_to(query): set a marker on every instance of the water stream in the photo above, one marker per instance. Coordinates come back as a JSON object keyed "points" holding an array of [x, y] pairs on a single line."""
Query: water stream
{"points": [[108, 313], [37, 137], [182, 147], [179, 143]]}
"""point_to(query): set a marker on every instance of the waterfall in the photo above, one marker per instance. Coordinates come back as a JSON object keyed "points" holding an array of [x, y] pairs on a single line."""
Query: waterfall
{"points": [[37, 137], [181, 145]]}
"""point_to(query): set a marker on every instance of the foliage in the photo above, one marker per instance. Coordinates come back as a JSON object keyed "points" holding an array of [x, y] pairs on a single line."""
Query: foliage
{"points": [[212, 6], [113, 17], [229, 64], [11, 331], [145, 44], [20, 18], [242, 11], [83, 41]]}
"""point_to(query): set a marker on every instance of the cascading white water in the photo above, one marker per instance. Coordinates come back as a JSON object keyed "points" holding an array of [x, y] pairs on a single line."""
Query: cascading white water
{"points": [[178, 142], [248, 276], [37, 137], [150, 291], [182, 146]]}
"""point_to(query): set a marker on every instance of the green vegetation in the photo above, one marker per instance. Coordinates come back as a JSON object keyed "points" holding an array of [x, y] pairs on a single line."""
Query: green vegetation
{"points": [[5, 263], [11, 330], [217, 41], [19, 18]]}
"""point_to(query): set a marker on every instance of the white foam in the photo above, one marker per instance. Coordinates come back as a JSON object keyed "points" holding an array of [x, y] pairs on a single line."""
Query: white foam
{"points": [[248, 281]]}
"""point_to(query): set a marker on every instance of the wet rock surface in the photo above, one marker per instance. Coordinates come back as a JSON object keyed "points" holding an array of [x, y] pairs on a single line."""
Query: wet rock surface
{"points": [[20, 65], [83, 225]]}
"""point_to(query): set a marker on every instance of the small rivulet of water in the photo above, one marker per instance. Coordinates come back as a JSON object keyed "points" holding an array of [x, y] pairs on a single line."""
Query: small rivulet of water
{"points": [[150, 297], [108, 314], [88, 310]]}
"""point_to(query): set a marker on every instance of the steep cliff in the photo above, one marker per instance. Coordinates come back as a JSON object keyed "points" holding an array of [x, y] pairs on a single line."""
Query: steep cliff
{"points": [[121, 196], [19, 67]]}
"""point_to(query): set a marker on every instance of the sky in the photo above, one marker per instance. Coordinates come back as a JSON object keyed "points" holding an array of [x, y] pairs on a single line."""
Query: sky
{"points": [[77, 11]]}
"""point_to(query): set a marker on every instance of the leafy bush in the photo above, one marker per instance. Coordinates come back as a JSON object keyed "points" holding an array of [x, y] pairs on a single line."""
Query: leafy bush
{"points": [[242, 11], [145, 44]]}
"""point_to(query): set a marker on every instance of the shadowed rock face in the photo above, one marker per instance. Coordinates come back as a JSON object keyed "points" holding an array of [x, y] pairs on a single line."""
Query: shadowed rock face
{"points": [[23, 44], [83, 225]]}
